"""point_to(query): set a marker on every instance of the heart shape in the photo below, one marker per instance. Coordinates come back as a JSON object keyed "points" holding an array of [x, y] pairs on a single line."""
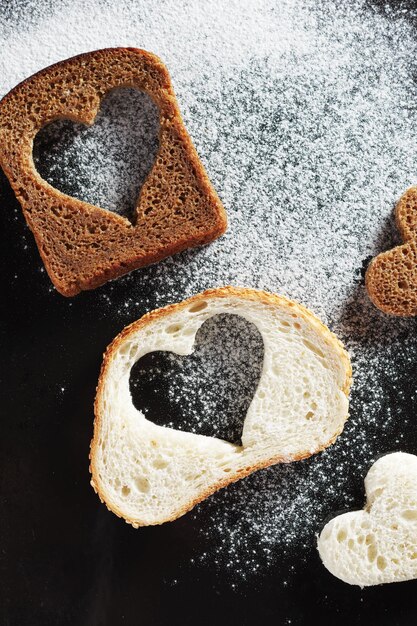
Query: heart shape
{"points": [[149, 474], [391, 278], [379, 544], [218, 379], [104, 164], [83, 245]]}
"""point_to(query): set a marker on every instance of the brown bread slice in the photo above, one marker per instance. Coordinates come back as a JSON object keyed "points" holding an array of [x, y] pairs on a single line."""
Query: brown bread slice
{"points": [[391, 278], [83, 245]]}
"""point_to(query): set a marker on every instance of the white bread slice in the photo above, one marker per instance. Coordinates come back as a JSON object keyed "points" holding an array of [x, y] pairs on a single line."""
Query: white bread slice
{"points": [[379, 544], [150, 474]]}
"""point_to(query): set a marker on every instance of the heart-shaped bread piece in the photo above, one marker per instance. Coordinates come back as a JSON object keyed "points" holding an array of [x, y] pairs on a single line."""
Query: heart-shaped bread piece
{"points": [[379, 544], [150, 474], [391, 278], [83, 245]]}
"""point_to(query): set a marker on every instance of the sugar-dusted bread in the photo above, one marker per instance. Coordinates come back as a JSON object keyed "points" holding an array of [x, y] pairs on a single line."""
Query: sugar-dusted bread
{"points": [[379, 544], [391, 278], [150, 474], [83, 245]]}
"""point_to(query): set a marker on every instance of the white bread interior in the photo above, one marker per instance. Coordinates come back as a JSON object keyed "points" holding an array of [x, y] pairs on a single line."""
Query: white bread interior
{"points": [[379, 544], [150, 474]]}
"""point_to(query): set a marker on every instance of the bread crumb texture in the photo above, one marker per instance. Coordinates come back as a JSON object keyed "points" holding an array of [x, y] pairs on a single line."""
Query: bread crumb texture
{"points": [[149, 474], [379, 544], [83, 245], [391, 278]]}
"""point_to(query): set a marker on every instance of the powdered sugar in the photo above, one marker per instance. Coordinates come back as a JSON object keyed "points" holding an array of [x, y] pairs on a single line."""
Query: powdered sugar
{"points": [[124, 137], [304, 114], [209, 392]]}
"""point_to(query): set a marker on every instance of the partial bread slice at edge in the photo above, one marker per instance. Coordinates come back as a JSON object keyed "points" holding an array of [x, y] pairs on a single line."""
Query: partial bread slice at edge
{"points": [[391, 277], [149, 474], [378, 544]]}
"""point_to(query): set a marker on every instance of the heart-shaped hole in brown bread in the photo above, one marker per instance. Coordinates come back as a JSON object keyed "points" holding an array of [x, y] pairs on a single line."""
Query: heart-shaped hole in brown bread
{"points": [[208, 392], [104, 164], [82, 244]]}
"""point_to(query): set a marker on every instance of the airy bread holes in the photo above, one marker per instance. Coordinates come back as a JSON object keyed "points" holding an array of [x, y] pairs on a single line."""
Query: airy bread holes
{"points": [[107, 163], [208, 392]]}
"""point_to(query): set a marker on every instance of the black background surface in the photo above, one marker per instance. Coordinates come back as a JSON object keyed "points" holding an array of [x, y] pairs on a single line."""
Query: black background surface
{"points": [[64, 559]]}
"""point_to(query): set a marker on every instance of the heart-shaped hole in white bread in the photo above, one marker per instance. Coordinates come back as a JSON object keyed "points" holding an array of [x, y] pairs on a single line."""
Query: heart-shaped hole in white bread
{"points": [[107, 162], [378, 544], [209, 391], [149, 474]]}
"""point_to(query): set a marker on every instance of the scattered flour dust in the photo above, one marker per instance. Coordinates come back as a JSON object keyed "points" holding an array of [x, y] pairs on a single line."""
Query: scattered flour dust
{"points": [[304, 114]]}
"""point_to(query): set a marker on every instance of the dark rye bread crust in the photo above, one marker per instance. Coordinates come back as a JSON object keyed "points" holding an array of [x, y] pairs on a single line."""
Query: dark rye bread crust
{"points": [[220, 292], [83, 246], [391, 278]]}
